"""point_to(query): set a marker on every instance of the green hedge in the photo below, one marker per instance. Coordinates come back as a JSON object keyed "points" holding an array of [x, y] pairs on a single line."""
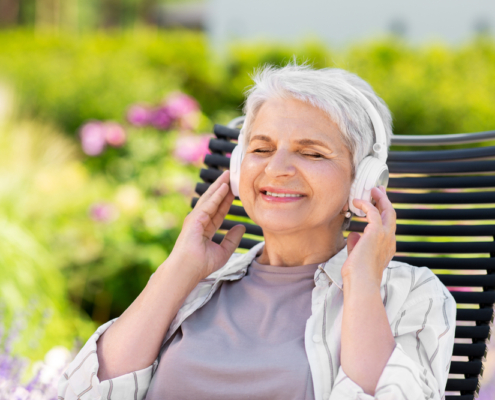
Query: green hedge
{"points": [[431, 89]]}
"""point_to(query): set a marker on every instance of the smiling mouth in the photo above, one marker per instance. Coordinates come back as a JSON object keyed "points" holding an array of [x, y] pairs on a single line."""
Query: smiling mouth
{"points": [[280, 194]]}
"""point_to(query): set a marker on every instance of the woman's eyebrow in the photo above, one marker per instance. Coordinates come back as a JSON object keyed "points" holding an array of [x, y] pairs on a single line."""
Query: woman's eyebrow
{"points": [[304, 142], [261, 137], [309, 142]]}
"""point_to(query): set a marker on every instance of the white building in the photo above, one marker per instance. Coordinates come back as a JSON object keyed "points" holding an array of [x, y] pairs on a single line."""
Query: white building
{"points": [[342, 22]]}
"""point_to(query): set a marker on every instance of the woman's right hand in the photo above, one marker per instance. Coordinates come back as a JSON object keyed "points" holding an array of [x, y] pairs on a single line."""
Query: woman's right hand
{"points": [[194, 250]]}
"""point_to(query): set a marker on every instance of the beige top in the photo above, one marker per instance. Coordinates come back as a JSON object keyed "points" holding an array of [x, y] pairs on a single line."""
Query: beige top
{"points": [[247, 342]]}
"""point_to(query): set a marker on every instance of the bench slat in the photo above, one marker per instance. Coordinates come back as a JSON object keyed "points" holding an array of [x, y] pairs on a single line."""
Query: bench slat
{"points": [[477, 350], [466, 367], [472, 332], [468, 384], [467, 280], [434, 230]]}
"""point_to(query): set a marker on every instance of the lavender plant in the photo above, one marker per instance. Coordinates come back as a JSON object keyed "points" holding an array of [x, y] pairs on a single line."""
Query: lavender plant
{"points": [[44, 375]]}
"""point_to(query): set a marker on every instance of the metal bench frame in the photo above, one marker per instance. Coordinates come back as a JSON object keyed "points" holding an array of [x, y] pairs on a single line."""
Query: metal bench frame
{"points": [[424, 178]]}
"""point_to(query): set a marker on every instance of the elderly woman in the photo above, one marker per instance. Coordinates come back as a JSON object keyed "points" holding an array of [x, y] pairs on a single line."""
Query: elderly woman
{"points": [[306, 314]]}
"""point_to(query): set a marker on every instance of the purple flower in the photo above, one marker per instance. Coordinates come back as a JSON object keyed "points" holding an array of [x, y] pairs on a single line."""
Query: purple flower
{"points": [[92, 136], [46, 374], [161, 118], [139, 115], [114, 134], [192, 149], [103, 212], [180, 104]]}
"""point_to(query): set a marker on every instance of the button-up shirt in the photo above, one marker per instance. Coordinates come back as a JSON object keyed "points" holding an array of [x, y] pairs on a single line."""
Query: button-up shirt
{"points": [[420, 309]]}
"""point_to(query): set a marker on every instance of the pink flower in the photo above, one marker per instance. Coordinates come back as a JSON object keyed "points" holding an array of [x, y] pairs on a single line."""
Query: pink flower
{"points": [[103, 212], [92, 136], [192, 149], [139, 115], [114, 134], [180, 104], [161, 118]]}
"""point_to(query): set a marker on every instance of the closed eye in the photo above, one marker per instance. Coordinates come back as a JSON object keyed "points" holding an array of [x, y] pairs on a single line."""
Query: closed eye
{"points": [[261, 151], [313, 155]]}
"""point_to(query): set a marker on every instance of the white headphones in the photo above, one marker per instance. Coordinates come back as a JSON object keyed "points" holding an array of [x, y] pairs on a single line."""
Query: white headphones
{"points": [[372, 171]]}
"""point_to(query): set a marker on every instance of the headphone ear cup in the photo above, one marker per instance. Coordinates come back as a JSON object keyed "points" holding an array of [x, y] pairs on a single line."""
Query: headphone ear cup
{"points": [[357, 186], [235, 165], [371, 173]]}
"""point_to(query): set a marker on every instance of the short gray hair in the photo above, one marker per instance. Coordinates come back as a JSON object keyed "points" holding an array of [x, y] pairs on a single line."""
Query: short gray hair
{"points": [[329, 89]]}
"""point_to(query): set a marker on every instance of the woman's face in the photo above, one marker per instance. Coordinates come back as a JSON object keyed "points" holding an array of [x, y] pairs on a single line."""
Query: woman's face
{"points": [[295, 148]]}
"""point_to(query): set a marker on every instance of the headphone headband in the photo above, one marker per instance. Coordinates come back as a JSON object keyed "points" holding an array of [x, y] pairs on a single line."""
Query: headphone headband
{"points": [[380, 146]]}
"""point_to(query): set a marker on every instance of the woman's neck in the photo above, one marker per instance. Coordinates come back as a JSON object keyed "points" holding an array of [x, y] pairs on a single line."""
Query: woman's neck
{"points": [[300, 249]]}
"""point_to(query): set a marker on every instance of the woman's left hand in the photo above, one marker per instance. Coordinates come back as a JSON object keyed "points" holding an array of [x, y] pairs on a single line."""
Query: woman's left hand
{"points": [[370, 253]]}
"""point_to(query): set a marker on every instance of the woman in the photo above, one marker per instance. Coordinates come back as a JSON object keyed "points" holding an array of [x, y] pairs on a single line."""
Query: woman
{"points": [[306, 314]]}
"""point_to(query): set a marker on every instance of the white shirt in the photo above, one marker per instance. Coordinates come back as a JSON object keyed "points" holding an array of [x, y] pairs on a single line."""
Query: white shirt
{"points": [[420, 309]]}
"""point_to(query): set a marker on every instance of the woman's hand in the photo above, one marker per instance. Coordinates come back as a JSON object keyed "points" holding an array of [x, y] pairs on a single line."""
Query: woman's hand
{"points": [[370, 253], [194, 249]]}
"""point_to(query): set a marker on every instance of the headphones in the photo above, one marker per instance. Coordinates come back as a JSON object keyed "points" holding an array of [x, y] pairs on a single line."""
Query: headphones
{"points": [[372, 171]]}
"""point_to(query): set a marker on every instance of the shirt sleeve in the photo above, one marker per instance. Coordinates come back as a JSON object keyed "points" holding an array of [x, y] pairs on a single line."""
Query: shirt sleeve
{"points": [[418, 367], [80, 380]]}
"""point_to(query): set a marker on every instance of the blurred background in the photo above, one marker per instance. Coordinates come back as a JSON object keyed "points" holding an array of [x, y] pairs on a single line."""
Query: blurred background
{"points": [[106, 109]]}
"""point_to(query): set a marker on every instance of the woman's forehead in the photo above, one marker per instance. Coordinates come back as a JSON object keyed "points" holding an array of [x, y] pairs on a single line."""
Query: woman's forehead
{"points": [[295, 120]]}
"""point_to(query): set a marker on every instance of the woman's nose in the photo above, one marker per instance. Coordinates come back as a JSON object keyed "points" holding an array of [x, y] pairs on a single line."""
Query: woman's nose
{"points": [[280, 164]]}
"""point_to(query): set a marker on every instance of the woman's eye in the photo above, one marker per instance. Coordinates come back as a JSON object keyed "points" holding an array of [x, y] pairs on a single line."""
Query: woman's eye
{"points": [[313, 155], [260, 151]]}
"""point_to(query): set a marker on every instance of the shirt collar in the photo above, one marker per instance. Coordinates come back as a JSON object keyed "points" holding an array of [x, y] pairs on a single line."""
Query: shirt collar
{"points": [[331, 268]]}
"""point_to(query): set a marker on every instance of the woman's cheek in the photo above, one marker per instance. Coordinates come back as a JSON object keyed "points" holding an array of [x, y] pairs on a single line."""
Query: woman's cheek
{"points": [[246, 184]]}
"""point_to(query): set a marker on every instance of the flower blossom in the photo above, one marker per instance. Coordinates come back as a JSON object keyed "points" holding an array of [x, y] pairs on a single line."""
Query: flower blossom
{"points": [[180, 105], [139, 115], [161, 118], [191, 149], [95, 135], [103, 212], [92, 136], [114, 134]]}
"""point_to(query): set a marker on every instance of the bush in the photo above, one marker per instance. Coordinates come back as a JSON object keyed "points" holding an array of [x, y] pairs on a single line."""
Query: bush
{"points": [[431, 89]]}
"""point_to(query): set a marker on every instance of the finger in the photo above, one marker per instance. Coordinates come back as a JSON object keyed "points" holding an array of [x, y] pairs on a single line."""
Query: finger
{"points": [[352, 240], [223, 178], [209, 208], [385, 207], [232, 239], [223, 209], [372, 214]]}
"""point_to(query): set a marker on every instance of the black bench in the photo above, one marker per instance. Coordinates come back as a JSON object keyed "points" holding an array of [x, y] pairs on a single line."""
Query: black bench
{"points": [[440, 196]]}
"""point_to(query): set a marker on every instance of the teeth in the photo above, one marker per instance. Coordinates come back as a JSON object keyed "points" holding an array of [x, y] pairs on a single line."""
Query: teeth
{"points": [[283, 194]]}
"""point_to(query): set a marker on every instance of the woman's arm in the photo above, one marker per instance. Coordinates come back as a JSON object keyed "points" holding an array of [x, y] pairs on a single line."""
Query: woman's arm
{"points": [[412, 361], [122, 353], [367, 340], [134, 340]]}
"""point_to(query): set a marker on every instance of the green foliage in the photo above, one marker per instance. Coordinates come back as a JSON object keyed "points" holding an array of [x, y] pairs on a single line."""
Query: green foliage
{"points": [[79, 241], [431, 89], [69, 80]]}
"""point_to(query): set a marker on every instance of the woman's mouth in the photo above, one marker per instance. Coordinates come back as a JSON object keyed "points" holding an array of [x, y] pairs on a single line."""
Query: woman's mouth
{"points": [[280, 197]]}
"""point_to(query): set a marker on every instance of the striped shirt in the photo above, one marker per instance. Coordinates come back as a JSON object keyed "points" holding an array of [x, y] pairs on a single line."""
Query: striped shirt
{"points": [[420, 309]]}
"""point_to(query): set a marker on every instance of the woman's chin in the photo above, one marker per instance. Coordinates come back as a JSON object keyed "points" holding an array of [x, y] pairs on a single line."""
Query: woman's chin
{"points": [[282, 223]]}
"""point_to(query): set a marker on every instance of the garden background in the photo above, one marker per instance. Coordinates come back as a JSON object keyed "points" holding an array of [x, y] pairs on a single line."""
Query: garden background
{"points": [[102, 135]]}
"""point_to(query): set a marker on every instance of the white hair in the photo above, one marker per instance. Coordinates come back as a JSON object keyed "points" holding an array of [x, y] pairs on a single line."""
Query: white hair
{"points": [[332, 90]]}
